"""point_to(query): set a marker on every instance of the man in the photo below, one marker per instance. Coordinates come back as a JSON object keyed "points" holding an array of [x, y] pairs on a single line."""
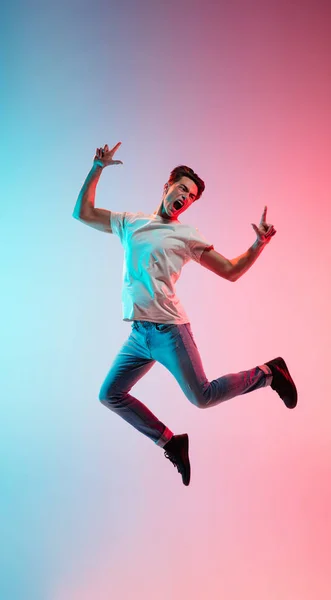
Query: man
{"points": [[156, 247]]}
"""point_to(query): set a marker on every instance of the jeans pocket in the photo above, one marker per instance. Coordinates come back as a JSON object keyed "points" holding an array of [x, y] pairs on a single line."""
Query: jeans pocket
{"points": [[164, 327]]}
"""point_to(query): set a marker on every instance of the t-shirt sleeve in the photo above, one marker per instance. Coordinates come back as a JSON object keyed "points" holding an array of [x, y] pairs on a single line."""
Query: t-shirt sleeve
{"points": [[197, 243], [121, 221], [117, 223]]}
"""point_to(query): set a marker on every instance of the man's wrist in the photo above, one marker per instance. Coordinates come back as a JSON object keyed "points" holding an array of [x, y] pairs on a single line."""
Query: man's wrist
{"points": [[258, 244], [97, 167]]}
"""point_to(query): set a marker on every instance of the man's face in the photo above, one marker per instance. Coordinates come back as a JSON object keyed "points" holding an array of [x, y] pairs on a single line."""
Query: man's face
{"points": [[178, 197]]}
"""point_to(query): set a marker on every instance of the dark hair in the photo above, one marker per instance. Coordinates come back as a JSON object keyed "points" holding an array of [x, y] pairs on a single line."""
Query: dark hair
{"points": [[182, 171]]}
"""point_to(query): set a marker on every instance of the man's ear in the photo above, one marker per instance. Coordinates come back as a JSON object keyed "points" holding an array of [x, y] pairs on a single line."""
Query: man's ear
{"points": [[165, 188]]}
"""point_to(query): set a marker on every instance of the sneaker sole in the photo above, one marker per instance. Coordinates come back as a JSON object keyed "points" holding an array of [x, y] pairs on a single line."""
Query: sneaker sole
{"points": [[187, 479], [289, 402]]}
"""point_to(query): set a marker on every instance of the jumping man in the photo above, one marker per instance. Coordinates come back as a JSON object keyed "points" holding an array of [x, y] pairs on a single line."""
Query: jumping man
{"points": [[156, 247]]}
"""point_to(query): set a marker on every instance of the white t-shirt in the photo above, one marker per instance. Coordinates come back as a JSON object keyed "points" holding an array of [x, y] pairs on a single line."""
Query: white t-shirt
{"points": [[154, 253]]}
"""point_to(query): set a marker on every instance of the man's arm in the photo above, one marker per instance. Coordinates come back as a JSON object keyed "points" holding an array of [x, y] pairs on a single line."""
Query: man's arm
{"points": [[217, 263], [231, 269], [235, 268], [242, 263], [85, 210]]}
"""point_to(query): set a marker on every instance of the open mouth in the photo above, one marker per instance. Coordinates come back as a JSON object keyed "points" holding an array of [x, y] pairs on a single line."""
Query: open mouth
{"points": [[178, 204]]}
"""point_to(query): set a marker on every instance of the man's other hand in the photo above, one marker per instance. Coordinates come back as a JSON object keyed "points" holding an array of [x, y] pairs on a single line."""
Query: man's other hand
{"points": [[264, 231], [104, 156]]}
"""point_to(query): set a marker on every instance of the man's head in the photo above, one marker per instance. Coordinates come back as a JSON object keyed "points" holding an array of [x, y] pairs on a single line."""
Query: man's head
{"points": [[182, 189]]}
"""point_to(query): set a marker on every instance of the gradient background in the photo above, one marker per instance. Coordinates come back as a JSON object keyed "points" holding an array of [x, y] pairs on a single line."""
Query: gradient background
{"points": [[241, 92]]}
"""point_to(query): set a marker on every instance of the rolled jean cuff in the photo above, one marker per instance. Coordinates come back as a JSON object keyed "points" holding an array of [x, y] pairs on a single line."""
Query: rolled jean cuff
{"points": [[267, 373], [165, 438]]}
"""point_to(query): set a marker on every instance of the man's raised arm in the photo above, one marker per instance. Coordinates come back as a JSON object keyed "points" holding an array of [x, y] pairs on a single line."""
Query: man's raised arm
{"points": [[85, 210], [235, 268]]}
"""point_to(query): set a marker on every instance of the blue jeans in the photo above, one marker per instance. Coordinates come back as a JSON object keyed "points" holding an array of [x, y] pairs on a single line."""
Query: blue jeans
{"points": [[174, 347]]}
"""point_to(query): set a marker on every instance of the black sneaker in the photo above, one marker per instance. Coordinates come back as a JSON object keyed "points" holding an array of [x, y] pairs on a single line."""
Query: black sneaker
{"points": [[282, 382], [176, 450]]}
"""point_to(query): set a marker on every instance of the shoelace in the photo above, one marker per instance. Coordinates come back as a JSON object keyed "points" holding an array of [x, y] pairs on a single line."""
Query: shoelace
{"points": [[173, 460]]}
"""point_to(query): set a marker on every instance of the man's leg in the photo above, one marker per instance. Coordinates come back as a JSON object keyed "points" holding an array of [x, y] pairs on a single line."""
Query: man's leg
{"points": [[175, 348], [132, 362]]}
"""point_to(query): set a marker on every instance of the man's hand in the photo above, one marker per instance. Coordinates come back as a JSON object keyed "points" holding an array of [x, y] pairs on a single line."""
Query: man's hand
{"points": [[104, 156], [264, 231]]}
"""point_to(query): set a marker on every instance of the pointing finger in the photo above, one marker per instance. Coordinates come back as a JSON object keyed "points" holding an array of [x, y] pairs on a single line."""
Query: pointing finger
{"points": [[264, 215], [116, 147]]}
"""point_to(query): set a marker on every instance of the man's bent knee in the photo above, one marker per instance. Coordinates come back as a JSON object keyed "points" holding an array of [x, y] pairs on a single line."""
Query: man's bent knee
{"points": [[106, 396], [198, 400], [110, 398], [201, 404]]}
